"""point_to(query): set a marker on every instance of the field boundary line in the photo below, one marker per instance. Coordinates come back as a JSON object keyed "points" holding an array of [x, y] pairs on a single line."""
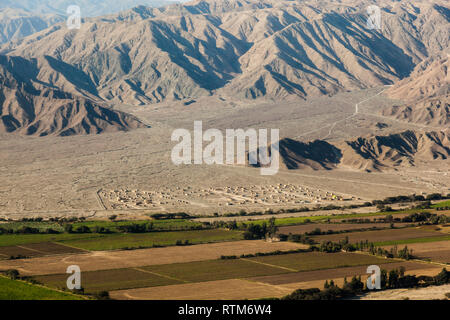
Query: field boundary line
{"points": [[159, 274], [431, 262], [270, 265], [31, 249], [403, 260], [69, 246], [45, 287], [279, 287]]}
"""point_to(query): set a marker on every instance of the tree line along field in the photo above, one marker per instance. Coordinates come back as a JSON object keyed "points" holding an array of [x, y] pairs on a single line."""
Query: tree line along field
{"points": [[211, 270], [108, 226]]}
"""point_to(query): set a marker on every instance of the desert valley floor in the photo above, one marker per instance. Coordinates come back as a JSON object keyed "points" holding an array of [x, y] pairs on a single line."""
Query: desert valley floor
{"points": [[88, 174]]}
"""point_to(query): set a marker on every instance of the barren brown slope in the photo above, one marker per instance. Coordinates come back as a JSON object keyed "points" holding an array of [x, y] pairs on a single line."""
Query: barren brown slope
{"points": [[434, 112], [32, 108], [249, 49], [426, 92], [372, 153], [316, 155], [430, 79], [18, 23], [395, 150]]}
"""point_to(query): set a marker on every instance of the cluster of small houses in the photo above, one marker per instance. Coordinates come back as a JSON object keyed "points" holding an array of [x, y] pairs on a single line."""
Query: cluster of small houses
{"points": [[279, 194]]}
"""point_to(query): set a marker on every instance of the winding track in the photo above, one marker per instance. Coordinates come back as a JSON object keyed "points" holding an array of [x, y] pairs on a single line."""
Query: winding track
{"points": [[333, 125], [353, 115]]}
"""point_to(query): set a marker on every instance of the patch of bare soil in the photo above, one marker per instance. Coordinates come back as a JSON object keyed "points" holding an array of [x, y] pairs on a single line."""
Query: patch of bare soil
{"points": [[429, 293], [233, 289]]}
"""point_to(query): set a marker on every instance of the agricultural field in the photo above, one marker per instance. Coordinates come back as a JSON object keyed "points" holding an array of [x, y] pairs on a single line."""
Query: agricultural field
{"points": [[162, 275], [215, 270], [20, 290], [210, 270], [42, 226], [382, 237], [309, 261], [310, 217], [119, 259], [114, 241], [158, 225], [25, 239], [106, 280], [430, 251], [36, 250], [335, 227], [339, 273], [158, 263], [232, 289], [152, 239], [271, 286], [414, 241], [442, 204]]}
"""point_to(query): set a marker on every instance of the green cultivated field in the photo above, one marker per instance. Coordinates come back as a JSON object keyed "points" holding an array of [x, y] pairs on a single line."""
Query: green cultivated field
{"points": [[441, 204], [147, 240], [21, 239], [19, 290], [378, 236], [95, 241], [300, 220], [310, 261]]}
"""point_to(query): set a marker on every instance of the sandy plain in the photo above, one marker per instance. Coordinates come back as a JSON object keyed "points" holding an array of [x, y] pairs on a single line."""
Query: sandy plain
{"points": [[77, 175]]}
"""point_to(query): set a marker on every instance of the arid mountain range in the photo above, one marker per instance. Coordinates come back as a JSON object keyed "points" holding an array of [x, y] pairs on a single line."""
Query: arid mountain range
{"points": [[89, 8], [18, 23], [33, 107], [427, 93], [246, 48], [63, 82], [21, 18], [371, 153]]}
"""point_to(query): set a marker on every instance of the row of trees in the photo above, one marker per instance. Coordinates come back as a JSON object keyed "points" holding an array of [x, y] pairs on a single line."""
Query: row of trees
{"points": [[28, 230], [263, 231], [344, 245], [394, 252], [330, 292], [393, 279]]}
